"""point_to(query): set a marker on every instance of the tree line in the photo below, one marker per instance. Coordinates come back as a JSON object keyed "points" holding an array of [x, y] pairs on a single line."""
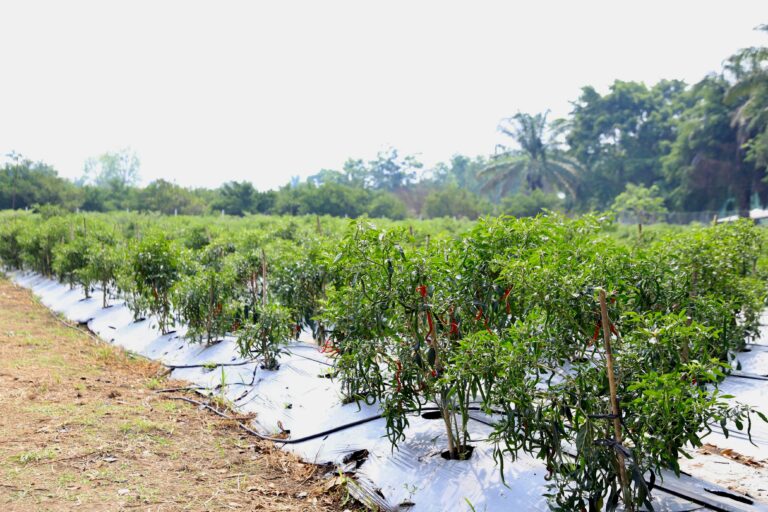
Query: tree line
{"points": [[671, 145]]}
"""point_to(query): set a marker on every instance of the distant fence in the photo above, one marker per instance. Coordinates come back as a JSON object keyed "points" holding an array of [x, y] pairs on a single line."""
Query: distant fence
{"points": [[705, 217]]}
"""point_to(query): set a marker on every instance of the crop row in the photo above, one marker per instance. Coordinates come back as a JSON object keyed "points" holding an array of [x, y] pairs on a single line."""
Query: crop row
{"points": [[599, 355]]}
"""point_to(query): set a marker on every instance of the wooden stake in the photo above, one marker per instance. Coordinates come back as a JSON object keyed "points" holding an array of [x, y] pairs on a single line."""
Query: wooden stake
{"points": [[615, 409]]}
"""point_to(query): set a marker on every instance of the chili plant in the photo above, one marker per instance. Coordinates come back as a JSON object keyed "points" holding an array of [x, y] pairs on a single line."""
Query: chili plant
{"points": [[265, 335], [394, 331], [70, 260], [105, 259], [10, 242], [204, 297], [154, 263], [299, 280]]}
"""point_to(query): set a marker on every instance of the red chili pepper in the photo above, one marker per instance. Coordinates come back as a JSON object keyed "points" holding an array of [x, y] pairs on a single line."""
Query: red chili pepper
{"points": [[597, 332], [422, 289], [454, 327], [506, 301], [485, 320], [429, 321], [328, 347]]}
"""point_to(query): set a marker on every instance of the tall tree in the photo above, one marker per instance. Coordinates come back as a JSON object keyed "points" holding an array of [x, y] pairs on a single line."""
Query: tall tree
{"points": [[236, 198], [116, 170], [391, 172], [749, 94], [537, 163], [24, 184], [620, 137]]}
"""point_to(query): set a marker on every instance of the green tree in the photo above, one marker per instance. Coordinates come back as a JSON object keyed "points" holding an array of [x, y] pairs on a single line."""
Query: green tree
{"points": [[391, 172], [705, 168], [643, 203], [537, 164], [456, 202], [621, 136], [168, 198], [236, 198], [530, 205], [386, 205], [333, 199], [749, 95], [24, 184], [115, 170]]}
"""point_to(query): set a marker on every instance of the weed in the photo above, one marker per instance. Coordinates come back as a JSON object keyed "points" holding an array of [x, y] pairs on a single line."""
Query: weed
{"points": [[32, 456]]}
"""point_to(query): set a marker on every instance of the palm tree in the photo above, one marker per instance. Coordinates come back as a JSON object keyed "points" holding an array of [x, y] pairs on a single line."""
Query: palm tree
{"points": [[538, 163]]}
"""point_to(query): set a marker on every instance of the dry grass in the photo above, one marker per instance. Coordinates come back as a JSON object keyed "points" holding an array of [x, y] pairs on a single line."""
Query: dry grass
{"points": [[81, 428]]}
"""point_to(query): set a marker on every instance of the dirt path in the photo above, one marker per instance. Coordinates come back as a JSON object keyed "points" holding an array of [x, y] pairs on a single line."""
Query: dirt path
{"points": [[81, 428]]}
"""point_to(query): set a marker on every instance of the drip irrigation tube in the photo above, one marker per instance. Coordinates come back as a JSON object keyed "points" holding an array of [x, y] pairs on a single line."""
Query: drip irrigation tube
{"points": [[277, 439], [212, 366], [326, 363], [677, 489], [310, 437], [742, 375]]}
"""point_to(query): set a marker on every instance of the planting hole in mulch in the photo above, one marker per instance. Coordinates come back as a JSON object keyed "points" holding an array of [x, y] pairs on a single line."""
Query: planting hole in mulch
{"points": [[358, 457], [465, 453], [432, 415]]}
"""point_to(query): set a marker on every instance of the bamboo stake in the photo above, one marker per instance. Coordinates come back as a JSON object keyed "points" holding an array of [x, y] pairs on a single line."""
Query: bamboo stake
{"points": [[615, 409]]}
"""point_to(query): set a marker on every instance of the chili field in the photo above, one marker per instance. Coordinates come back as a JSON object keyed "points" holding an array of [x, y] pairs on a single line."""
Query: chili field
{"points": [[592, 358]]}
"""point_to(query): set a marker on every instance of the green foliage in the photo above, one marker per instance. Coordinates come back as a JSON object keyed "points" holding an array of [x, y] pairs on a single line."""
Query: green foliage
{"points": [[507, 316], [300, 278], [643, 203], [154, 264], [500, 315], [620, 137], [70, 260], [455, 202], [104, 261], [204, 296], [538, 164], [38, 242], [266, 334], [530, 205], [11, 230], [25, 184]]}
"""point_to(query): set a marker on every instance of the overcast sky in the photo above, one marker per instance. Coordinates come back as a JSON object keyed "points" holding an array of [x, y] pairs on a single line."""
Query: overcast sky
{"points": [[207, 92]]}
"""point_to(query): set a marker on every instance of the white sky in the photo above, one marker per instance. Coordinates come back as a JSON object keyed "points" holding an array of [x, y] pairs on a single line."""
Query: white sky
{"points": [[208, 92]]}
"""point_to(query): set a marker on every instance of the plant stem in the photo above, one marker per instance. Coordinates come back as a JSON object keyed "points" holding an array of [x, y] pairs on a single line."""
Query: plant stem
{"points": [[263, 277], [454, 454], [691, 296]]}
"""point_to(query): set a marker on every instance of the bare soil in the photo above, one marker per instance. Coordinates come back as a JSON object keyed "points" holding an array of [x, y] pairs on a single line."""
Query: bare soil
{"points": [[82, 427]]}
